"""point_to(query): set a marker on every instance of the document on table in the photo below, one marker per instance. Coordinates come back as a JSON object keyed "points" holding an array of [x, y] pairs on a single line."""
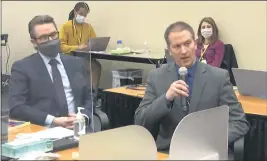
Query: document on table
{"points": [[54, 133], [51, 133]]}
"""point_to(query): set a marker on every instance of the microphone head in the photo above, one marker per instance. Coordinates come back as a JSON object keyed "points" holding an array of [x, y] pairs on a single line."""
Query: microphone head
{"points": [[182, 71]]}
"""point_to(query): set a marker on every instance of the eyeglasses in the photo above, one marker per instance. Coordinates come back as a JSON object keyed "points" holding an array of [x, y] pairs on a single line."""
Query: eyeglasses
{"points": [[45, 38]]}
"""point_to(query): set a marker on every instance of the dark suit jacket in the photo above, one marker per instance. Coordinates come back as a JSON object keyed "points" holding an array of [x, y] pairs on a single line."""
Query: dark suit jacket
{"points": [[32, 95], [211, 88]]}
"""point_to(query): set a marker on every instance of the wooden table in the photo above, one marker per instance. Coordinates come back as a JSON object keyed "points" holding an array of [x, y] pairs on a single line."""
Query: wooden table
{"points": [[120, 105], [138, 92], [251, 105], [65, 154]]}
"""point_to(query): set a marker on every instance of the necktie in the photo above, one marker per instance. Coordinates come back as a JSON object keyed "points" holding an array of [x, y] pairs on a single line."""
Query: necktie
{"points": [[57, 80]]}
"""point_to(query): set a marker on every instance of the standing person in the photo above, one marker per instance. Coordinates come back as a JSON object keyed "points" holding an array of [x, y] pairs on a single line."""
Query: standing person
{"points": [[75, 34], [210, 50]]}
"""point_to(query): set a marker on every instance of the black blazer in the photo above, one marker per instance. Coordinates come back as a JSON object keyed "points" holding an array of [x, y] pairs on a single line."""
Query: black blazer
{"points": [[31, 93]]}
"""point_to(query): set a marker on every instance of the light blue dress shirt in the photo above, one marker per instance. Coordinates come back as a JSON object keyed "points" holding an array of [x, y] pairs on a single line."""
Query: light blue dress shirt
{"points": [[66, 84]]}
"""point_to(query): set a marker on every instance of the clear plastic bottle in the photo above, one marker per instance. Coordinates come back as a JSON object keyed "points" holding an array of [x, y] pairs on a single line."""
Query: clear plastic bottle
{"points": [[79, 124], [120, 44], [146, 50]]}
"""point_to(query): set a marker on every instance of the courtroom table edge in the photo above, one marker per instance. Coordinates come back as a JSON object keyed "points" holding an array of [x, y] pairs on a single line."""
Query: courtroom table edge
{"points": [[155, 61]]}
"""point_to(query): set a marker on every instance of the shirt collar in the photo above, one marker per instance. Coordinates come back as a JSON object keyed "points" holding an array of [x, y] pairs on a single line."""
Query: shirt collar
{"points": [[46, 59], [191, 70]]}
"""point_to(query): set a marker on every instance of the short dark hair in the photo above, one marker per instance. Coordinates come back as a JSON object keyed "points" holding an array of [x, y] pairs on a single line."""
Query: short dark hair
{"points": [[215, 30], [178, 26], [39, 20], [77, 7]]}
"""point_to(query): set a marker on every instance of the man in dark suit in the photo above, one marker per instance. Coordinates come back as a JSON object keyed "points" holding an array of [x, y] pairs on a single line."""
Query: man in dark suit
{"points": [[160, 111], [47, 87]]}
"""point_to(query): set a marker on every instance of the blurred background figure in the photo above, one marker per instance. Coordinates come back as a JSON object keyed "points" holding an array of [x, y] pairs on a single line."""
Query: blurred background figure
{"points": [[75, 35], [210, 49]]}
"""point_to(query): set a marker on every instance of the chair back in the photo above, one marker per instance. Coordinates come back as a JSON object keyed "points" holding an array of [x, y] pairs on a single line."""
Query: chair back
{"points": [[229, 61]]}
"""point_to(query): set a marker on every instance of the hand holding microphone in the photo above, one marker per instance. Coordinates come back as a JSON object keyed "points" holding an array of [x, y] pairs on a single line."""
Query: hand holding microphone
{"points": [[179, 88]]}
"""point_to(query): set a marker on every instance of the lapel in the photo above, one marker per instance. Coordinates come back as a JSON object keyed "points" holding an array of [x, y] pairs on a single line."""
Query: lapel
{"points": [[42, 71], [173, 76], [71, 74], [198, 85]]}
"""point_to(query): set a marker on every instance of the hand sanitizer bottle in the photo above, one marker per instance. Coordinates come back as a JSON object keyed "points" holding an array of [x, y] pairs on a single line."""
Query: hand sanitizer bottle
{"points": [[79, 124]]}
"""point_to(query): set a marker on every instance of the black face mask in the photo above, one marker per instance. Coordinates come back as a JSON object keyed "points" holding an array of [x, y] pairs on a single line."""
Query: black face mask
{"points": [[50, 48]]}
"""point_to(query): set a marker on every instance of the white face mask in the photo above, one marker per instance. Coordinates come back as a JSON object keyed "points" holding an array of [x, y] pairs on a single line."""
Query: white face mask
{"points": [[80, 19], [206, 33]]}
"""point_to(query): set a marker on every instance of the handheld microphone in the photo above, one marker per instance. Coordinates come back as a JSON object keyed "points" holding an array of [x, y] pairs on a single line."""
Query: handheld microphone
{"points": [[183, 76]]}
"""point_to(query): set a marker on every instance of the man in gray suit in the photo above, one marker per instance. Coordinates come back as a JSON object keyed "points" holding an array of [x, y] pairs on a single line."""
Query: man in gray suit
{"points": [[47, 87], [207, 87]]}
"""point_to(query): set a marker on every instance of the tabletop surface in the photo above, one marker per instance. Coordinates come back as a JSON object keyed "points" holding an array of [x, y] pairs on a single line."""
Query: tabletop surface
{"points": [[65, 154], [251, 105]]}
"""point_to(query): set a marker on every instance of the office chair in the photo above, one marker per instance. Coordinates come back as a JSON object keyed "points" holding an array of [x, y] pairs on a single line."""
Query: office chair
{"points": [[100, 118], [229, 61]]}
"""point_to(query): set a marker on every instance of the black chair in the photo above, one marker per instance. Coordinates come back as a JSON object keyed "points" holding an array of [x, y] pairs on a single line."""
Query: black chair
{"points": [[101, 121], [229, 61]]}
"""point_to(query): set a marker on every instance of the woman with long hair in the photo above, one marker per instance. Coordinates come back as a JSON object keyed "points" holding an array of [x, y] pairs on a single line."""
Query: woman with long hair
{"points": [[210, 49]]}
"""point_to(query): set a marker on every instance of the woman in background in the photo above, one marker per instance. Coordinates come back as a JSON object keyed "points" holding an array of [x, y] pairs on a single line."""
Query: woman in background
{"points": [[75, 34], [210, 49]]}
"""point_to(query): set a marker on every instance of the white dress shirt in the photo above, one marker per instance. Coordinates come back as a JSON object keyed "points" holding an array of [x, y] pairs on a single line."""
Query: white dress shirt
{"points": [[66, 85]]}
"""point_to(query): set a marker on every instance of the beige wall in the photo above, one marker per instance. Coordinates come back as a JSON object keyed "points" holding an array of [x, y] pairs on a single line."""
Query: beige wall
{"points": [[243, 24]]}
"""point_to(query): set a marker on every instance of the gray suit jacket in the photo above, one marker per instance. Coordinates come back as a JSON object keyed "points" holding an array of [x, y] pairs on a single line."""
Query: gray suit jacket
{"points": [[211, 88], [31, 92]]}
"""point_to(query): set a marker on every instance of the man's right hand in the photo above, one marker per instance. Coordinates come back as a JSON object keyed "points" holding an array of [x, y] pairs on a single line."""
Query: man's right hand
{"points": [[82, 47], [177, 88], [65, 122]]}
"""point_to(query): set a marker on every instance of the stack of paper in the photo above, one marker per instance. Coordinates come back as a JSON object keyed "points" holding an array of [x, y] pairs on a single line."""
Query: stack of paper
{"points": [[53, 133]]}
